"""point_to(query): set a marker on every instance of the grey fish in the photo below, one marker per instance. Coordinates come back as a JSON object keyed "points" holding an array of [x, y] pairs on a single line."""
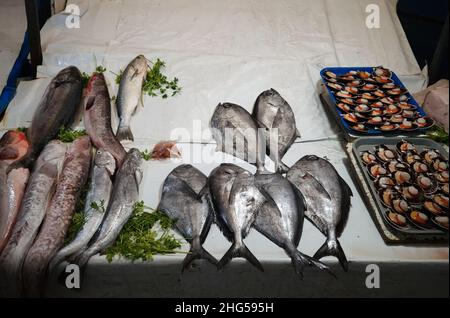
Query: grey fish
{"points": [[328, 199], [37, 197], [59, 215], [236, 202], [281, 220], [274, 114], [236, 133], [125, 194], [97, 118], [99, 193], [186, 200], [56, 109], [130, 91]]}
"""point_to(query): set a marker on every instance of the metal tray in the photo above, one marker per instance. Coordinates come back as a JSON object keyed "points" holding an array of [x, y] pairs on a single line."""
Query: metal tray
{"points": [[364, 144]]}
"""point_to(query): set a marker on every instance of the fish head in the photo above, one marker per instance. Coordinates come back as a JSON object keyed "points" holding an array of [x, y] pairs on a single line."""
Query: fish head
{"points": [[13, 145], [70, 74], [271, 98], [104, 159], [96, 81], [140, 63], [245, 198]]}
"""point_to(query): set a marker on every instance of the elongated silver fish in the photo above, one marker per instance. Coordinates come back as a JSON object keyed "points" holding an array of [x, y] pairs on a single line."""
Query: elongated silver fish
{"points": [[39, 192], [97, 118], [58, 217], [130, 91], [56, 109], [236, 202], [97, 200], [281, 219], [124, 195], [274, 114], [328, 199], [186, 200]]}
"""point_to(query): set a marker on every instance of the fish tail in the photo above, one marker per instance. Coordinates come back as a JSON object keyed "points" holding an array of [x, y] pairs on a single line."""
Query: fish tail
{"points": [[300, 260], [333, 248], [239, 251], [124, 133], [198, 253]]}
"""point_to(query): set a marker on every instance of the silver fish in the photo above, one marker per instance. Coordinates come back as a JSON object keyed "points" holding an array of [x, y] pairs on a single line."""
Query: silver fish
{"points": [[99, 193], [58, 217], [97, 118], [130, 91], [274, 114], [236, 133], [125, 194], [236, 202], [39, 192], [328, 199], [281, 219], [186, 199], [56, 109]]}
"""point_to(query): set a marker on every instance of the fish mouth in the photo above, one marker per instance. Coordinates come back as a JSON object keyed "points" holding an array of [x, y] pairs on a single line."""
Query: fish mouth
{"points": [[311, 158]]}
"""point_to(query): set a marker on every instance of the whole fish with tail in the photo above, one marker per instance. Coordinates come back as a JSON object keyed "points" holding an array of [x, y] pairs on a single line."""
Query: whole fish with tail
{"points": [[130, 91], [236, 202], [97, 118], [97, 200], [124, 196], [328, 199], [281, 219], [186, 200], [59, 215], [56, 109]]}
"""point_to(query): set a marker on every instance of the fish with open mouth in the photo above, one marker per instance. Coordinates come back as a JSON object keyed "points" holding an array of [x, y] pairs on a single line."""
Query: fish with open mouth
{"points": [[186, 200], [236, 201], [59, 215], [125, 194], [281, 219], [274, 114], [328, 200], [56, 109], [130, 91], [236, 133]]}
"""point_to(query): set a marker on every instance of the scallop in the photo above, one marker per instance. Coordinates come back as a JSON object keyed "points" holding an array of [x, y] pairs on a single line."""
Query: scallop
{"points": [[420, 167], [347, 101], [363, 74], [385, 182], [351, 90], [429, 155], [330, 74], [355, 83], [387, 100], [362, 108], [397, 219], [404, 146], [392, 109], [402, 177], [362, 101], [441, 200], [388, 86], [432, 207], [387, 196], [397, 91], [426, 183], [383, 79], [377, 120], [441, 177], [377, 105], [410, 157], [351, 117], [385, 154], [344, 107], [369, 87], [445, 189], [377, 112], [400, 205], [411, 193], [407, 125], [344, 94], [424, 122], [379, 93], [368, 158], [419, 217], [395, 165], [360, 128], [377, 170], [396, 119], [369, 96], [440, 165], [401, 98], [410, 114], [406, 106], [441, 221], [386, 127], [381, 71], [335, 86]]}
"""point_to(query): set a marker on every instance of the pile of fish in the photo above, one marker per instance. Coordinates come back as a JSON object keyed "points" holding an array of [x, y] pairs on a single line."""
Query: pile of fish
{"points": [[41, 179], [274, 205]]}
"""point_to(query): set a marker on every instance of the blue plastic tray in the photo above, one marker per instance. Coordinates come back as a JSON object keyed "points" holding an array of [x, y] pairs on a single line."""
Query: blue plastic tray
{"points": [[339, 71]]}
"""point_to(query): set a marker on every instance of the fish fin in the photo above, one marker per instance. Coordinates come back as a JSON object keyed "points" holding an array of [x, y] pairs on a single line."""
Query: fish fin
{"points": [[124, 133], [346, 187], [321, 189], [141, 99], [282, 168], [198, 252], [300, 196], [329, 248], [269, 199], [300, 260], [297, 132], [89, 102], [239, 251], [138, 175]]}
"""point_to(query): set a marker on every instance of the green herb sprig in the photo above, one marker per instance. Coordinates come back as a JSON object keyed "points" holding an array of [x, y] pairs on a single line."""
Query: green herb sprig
{"points": [[100, 207], [69, 135], [146, 155], [437, 133], [157, 84]]}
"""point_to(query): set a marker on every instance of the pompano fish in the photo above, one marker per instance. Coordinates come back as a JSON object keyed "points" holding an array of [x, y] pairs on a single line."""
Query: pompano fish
{"points": [[130, 91], [56, 109], [186, 200], [328, 199], [274, 114], [97, 118], [39, 192], [236, 202], [281, 219], [236, 133], [59, 215], [13, 146], [125, 194], [98, 194]]}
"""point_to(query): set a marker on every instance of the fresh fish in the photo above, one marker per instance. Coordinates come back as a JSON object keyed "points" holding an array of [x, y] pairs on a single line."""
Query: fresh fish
{"points": [[274, 114], [328, 200], [97, 118], [59, 215], [130, 91], [13, 146], [186, 199], [281, 220], [99, 193], [125, 194], [236, 202], [39, 192], [236, 133], [56, 109]]}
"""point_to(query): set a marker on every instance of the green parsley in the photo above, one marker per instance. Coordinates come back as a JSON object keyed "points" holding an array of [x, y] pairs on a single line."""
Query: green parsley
{"points": [[69, 135], [157, 84], [146, 155]]}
